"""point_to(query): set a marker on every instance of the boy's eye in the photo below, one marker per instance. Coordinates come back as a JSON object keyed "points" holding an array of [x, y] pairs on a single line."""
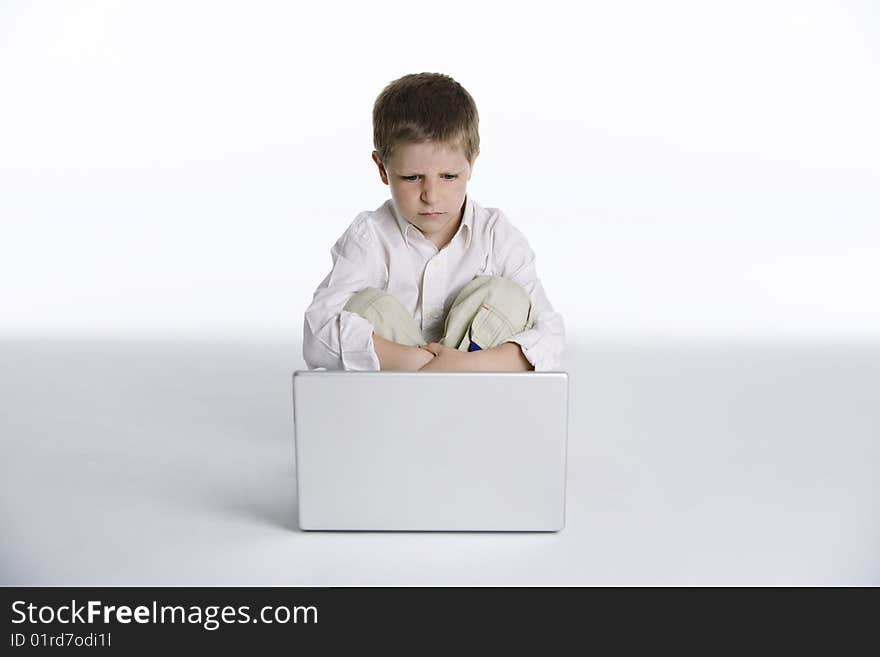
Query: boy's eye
{"points": [[447, 176]]}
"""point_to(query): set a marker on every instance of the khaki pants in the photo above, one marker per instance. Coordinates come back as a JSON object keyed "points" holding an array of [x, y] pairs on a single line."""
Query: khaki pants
{"points": [[486, 312]]}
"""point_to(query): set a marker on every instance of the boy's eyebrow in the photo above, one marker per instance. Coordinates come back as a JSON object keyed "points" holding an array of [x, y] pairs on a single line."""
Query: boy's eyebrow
{"points": [[415, 173]]}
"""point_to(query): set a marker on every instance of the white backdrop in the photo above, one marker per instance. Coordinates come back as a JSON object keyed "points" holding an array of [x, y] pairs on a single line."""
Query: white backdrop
{"points": [[682, 169]]}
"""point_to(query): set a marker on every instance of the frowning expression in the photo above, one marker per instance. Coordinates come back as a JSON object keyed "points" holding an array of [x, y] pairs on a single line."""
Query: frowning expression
{"points": [[428, 185]]}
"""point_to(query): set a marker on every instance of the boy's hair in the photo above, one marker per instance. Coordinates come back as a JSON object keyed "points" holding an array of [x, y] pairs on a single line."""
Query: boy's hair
{"points": [[422, 107]]}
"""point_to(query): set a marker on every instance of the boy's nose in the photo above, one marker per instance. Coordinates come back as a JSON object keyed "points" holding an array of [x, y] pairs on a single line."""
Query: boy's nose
{"points": [[429, 193]]}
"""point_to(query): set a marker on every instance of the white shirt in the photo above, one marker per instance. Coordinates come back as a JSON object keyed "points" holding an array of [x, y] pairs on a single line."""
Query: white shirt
{"points": [[381, 249]]}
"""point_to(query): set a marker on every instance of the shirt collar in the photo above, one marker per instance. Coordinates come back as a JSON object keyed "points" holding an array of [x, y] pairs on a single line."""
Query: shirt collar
{"points": [[467, 222]]}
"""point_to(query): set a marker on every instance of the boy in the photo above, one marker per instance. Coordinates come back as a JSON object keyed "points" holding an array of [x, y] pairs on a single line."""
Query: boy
{"points": [[430, 280]]}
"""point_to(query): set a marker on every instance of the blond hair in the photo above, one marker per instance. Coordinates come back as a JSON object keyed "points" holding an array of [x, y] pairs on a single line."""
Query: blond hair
{"points": [[422, 107]]}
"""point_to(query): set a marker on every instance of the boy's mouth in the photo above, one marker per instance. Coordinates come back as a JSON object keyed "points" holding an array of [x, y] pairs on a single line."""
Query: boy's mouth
{"points": [[430, 214]]}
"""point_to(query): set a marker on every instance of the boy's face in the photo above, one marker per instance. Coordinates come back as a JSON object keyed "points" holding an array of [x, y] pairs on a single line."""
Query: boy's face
{"points": [[428, 184]]}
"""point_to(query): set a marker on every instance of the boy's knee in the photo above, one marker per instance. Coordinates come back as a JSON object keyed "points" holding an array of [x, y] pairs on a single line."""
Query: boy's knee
{"points": [[361, 302], [488, 310], [502, 293], [498, 285], [377, 306], [389, 318]]}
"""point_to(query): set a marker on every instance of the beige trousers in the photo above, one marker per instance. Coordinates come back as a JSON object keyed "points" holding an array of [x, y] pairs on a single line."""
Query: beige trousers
{"points": [[486, 312]]}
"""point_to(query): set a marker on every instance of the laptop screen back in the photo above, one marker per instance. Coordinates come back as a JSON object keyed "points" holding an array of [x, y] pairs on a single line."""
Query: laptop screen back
{"points": [[431, 451]]}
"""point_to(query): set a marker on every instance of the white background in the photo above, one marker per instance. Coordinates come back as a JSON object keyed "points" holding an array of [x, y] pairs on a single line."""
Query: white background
{"points": [[695, 170]]}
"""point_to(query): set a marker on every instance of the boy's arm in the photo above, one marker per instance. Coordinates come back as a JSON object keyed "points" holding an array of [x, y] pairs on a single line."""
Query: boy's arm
{"points": [[506, 357], [394, 356], [332, 337], [544, 343]]}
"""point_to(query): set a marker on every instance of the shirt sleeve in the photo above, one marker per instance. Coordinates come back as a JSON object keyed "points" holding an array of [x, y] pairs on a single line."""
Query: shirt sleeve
{"points": [[333, 338], [544, 343]]}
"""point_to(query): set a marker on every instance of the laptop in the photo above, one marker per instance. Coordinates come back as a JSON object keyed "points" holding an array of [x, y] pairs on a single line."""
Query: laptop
{"points": [[431, 451]]}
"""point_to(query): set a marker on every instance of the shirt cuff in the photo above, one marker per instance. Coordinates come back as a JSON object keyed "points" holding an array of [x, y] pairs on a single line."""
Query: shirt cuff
{"points": [[356, 343], [535, 350]]}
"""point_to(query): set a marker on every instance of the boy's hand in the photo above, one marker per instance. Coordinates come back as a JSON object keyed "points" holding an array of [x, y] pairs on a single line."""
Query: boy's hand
{"points": [[397, 357], [421, 358], [447, 359]]}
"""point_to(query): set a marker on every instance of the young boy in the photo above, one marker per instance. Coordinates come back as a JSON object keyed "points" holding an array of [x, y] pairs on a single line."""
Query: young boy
{"points": [[431, 280]]}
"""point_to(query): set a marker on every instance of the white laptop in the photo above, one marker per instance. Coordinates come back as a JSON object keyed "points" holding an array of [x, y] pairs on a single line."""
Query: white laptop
{"points": [[431, 451]]}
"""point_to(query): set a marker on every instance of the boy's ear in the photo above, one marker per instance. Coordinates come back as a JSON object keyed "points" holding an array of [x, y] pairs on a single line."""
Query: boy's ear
{"points": [[382, 172], [472, 164]]}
